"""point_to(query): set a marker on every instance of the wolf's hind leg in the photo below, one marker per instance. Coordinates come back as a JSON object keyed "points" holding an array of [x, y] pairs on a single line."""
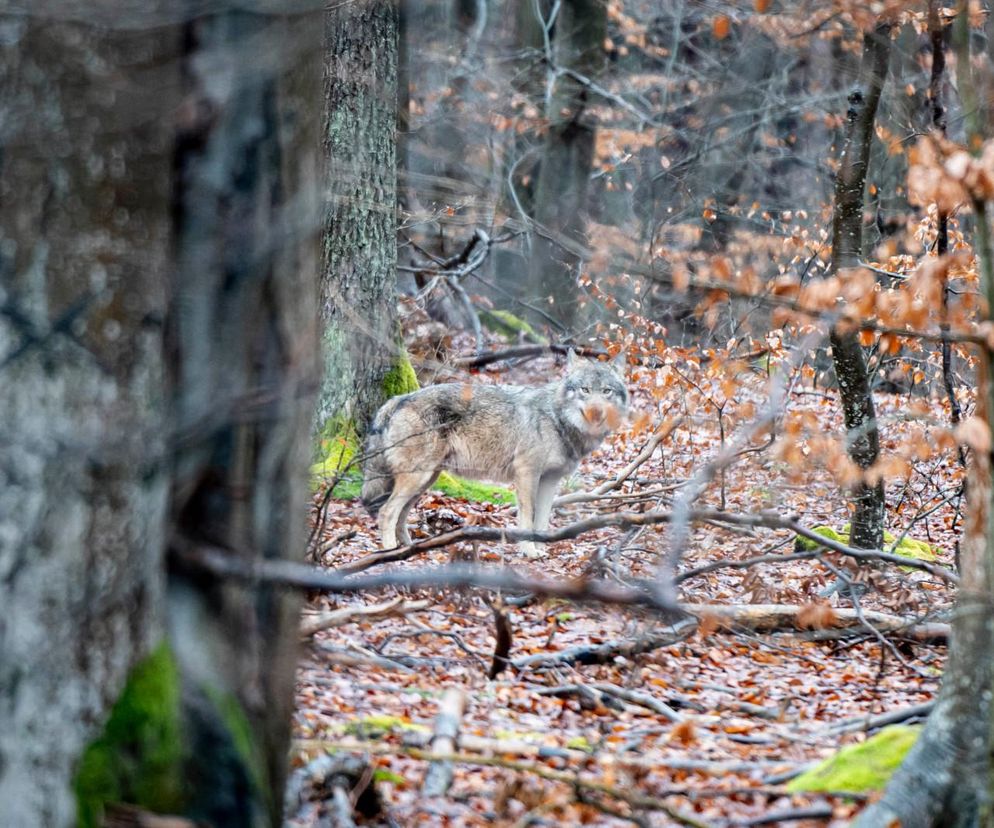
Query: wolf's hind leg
{"points": [[407, 488]]}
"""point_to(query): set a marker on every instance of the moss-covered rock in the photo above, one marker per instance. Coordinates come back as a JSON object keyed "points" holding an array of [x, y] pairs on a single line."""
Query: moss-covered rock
{"points": [[139, 756], [907, 548], [507, 324], [863, 767]]}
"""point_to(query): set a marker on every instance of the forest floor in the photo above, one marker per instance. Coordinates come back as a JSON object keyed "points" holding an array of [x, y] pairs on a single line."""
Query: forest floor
{"points": [[720, 718]]}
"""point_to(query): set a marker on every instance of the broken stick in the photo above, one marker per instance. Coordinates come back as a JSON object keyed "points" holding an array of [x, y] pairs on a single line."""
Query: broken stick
{"points": [[438, 779]]}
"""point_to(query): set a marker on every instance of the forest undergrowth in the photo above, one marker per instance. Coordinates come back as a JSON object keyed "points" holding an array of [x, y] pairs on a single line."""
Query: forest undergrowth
{"points": [[606, 715]]}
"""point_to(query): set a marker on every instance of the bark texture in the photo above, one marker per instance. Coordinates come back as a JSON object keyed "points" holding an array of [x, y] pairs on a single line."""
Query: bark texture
{"points": [[945, 780], [560, 200], [84, 248], [862, 436], [360, 251], [243, 337], [158, 229]]}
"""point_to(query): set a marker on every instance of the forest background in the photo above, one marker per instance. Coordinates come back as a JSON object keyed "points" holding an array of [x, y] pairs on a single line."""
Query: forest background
{"points": [[217, 218]]}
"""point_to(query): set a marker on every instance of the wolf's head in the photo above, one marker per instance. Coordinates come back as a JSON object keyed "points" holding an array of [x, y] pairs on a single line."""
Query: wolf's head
{"points": [[593, 395]]}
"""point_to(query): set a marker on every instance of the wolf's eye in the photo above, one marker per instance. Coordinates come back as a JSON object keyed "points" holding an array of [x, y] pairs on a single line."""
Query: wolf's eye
{"points": [[584, 389], [607, 392]]}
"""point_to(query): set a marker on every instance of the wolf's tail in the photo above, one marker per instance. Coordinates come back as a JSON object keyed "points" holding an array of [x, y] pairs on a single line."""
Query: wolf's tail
{"points": [[377, 479]]}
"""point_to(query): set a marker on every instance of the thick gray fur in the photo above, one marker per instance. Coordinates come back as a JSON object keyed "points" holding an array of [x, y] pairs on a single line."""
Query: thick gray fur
{"points": [[531, 437]]}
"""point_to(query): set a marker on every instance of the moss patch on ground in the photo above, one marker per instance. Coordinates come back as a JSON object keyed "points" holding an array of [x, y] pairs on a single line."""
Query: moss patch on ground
{"points": [[376, 727], [907, 548], [139, 756], [473, 491], [507, 324], [863, 767]]}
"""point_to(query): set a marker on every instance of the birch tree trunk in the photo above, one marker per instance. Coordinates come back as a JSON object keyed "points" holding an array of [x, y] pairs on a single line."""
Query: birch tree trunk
{"points": [[360, 251], [158, 217]]}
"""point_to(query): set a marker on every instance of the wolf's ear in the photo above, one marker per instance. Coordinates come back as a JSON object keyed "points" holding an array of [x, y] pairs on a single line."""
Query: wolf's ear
{"points": [[572, 360]]}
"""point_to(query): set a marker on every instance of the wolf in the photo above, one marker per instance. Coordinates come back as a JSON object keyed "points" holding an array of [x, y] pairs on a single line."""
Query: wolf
{"points": [[529, 436]]}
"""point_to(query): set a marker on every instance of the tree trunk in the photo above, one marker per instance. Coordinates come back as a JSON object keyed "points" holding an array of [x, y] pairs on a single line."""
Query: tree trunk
{"points": [[863, 440], [153, 178], [945, 780], [567, 161], [360, 251], [84, 186], [242, 346]]}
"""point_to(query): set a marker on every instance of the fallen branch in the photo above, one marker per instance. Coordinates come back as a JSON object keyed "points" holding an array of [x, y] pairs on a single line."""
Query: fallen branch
{"points": [[469, 743], [868, 723], [337, 781], [707, 766], [438, 779], [522, 351], [222, 564], [346, 615], [779, 617], [608, 651], [574, 780], [626, 519], [639, 697]]}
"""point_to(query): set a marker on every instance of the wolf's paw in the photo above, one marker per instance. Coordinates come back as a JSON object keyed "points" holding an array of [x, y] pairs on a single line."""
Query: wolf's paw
{"points": [[531, 550]]}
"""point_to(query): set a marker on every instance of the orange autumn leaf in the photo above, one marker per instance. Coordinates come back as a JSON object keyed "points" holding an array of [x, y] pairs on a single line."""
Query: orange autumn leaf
{"points": [[721, 26], [816, 615]]}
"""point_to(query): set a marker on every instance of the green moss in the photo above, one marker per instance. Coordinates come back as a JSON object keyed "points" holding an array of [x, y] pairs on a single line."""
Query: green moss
{"points": [[907, 548], [138, 758], [338, 445], [473, 491], [376, 727], [580, 743], [400, 379], [507, 324], [863, 767], [241, 738]]}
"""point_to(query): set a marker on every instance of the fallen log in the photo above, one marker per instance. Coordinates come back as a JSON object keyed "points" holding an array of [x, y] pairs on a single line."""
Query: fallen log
{"points": [[795, 618]]}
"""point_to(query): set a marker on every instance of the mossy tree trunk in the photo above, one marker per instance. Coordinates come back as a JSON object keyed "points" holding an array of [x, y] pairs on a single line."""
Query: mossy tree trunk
{"points": [[560, 199], [360, 250], [158, 341], [947, 779], [862, 436]]}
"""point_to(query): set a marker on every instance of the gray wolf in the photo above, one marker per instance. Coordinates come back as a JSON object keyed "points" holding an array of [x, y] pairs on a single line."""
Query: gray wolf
{"points": [[532, 437]]}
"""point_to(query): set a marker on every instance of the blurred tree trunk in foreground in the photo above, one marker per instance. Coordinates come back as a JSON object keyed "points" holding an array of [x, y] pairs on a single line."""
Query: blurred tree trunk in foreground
{"points": [[360, 251], [847, 249], [157, 225]]}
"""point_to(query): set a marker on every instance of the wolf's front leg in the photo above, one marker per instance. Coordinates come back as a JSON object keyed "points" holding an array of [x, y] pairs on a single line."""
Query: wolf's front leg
{"points": [[526, 489]]}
